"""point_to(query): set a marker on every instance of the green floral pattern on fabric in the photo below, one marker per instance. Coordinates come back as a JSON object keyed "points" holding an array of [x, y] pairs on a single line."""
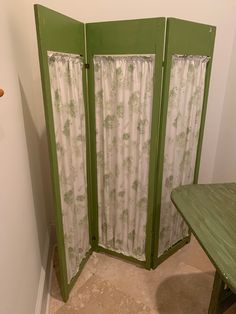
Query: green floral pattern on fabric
{"points": [[123, 100], [186, 94], [69, 124]]}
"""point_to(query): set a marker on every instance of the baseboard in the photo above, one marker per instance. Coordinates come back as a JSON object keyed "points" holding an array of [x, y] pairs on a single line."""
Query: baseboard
{"points": [[45, 308], [45, 275]]}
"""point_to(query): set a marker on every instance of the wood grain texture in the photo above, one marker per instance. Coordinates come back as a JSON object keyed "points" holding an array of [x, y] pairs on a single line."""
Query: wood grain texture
{"points": [[210, 211]]}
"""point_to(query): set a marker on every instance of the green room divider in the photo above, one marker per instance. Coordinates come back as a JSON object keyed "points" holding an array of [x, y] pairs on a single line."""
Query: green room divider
{"points": [[125, 107]]}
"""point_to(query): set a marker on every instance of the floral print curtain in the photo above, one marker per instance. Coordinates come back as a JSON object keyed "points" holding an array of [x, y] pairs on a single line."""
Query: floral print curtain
{"points": [[69, 123], [186, 94], [123, 101]]}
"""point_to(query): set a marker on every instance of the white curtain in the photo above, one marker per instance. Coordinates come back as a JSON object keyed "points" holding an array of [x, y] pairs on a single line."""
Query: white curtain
{"points": [[186, 94], [69, 124], [123, 100]]}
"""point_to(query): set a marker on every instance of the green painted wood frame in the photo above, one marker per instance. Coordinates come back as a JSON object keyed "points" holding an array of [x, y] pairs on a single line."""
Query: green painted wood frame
{"points": [[57, 32], [144, 36], [187, 38]]}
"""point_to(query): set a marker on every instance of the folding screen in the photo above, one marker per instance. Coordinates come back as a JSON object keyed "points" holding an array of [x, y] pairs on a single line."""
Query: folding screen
{"points": [[116, 157]]}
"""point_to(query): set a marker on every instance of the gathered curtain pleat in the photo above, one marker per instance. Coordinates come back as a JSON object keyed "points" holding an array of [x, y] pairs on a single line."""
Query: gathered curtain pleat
{"points": [[186, 94], [69, 124], [123, 108]]}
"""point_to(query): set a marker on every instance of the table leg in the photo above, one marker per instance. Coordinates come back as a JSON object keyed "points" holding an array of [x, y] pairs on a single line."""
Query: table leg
{"points": [[218, 288]]}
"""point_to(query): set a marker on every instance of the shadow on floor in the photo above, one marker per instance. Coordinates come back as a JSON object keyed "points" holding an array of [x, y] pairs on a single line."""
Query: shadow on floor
{"points": [[185, 294]]}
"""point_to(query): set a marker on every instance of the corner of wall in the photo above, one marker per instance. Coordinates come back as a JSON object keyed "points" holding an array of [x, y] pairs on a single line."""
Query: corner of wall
{"points": [[44, 286]]}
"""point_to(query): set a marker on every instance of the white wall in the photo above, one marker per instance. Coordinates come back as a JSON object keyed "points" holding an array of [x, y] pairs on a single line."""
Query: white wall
{"points": [[23, 226], [25, 181], [225, 164]]}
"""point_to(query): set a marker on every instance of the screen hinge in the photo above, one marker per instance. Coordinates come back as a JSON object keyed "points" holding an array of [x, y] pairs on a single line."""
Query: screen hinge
{"points": [[86, 65]]}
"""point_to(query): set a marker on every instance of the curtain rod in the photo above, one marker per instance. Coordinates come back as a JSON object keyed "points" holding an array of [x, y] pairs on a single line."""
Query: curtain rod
{"points": [[126, 55], [190, 56], [58, 53]]}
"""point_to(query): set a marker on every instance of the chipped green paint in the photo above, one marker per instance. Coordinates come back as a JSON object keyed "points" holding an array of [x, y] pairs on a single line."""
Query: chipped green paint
{"points": [[210, 211]]}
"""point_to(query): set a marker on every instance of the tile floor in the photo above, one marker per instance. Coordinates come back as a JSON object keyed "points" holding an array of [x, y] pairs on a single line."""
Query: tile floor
{"points": [[180, 285]]}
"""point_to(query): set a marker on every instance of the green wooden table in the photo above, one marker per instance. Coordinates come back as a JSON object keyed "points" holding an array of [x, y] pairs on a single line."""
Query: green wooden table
{"points": [[210, 212]]}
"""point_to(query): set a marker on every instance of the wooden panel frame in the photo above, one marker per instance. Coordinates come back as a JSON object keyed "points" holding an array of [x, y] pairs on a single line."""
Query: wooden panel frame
{"points": [[57, 32], [144, 36], [184, 38]]}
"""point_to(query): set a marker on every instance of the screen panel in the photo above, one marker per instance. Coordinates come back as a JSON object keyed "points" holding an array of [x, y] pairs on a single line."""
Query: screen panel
{"points": [[191, 42], [119, 41], [61, 53]]}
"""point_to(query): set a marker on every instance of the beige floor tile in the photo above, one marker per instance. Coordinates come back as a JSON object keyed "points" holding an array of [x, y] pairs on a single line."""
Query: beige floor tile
{"points": [[180, 285]]}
